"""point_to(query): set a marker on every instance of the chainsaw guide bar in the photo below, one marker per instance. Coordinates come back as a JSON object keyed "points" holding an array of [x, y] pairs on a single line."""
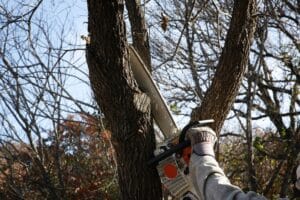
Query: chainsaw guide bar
{"points": [[159, 108]]}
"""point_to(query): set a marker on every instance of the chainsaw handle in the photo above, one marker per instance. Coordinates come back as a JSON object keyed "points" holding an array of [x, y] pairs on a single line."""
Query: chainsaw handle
{"points": [[183, 143], [174, 149]]}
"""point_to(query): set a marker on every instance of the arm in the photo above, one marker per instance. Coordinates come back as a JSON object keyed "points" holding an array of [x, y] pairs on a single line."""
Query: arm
{"points": [[208, 178], [211, 183]]}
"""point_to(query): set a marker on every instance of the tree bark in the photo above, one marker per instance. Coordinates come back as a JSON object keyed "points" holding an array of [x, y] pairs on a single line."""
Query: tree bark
{"points": [[125, 107], [140, 38], [231, 67]]}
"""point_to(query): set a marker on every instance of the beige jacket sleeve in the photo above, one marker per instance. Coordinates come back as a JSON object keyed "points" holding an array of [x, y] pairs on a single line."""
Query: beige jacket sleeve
{"points": [[211, 183]]}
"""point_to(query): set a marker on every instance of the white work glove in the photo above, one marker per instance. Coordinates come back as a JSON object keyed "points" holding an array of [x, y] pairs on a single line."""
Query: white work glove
{"points": [[202, 140]]}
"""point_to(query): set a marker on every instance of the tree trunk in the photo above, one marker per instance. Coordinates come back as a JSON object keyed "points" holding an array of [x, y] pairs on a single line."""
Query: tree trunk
{"points": [[249, 155], [140, 39], [126, 108], [231, 67]]}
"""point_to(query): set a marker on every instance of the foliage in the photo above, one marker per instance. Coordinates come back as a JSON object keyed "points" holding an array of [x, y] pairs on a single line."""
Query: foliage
{"points": [[269, 161], [81, 160]]}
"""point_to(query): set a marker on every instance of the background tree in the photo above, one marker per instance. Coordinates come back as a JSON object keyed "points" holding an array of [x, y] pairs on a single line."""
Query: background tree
{"points": [[272, 92], [36, 64]]}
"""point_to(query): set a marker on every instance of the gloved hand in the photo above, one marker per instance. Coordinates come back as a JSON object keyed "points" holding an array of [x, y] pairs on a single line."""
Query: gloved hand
{"points": [[202, 140]]}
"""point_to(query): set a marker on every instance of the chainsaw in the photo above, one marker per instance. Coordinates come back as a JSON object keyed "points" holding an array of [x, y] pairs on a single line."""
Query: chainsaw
{"points": [[172, 155]]}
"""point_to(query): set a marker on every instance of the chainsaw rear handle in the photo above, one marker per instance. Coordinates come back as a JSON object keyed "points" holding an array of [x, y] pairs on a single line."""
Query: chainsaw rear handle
{"points": [[183, 143], [169, 152]]}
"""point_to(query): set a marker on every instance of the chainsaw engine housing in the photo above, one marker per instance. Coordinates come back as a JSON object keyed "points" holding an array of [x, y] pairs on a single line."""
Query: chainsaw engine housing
{"points": [[173, 172]]}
